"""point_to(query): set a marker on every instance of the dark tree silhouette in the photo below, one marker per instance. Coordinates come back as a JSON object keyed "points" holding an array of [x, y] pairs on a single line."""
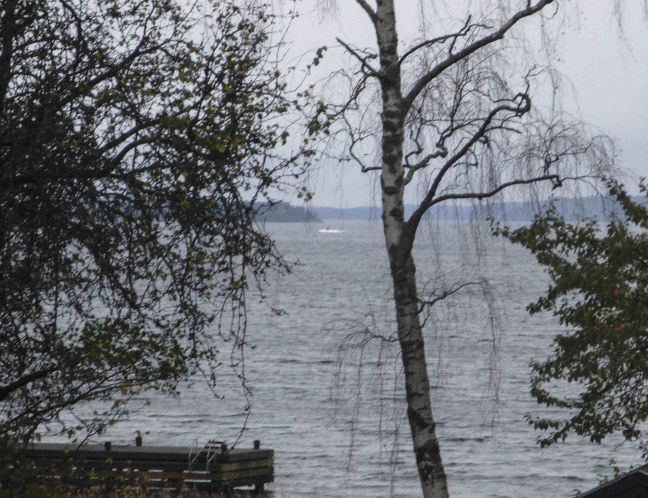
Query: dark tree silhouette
{"points": [[598, 370], [136, 138]]}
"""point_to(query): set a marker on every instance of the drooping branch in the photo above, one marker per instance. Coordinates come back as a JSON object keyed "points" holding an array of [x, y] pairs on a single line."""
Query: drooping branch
{"points": [[484, 195], [495, 36], [438, 297], [522, 107], [464, 31]]}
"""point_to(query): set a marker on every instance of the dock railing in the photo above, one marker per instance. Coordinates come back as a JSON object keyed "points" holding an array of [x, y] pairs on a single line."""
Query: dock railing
{"points": [[212, 468]]}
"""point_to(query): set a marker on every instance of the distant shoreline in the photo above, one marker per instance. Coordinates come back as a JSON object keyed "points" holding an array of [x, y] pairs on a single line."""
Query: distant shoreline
{"points": [[602, 208]]}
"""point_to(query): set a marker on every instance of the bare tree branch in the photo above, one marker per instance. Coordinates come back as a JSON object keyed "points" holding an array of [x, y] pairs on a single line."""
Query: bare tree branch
{"points": [[483, 195], [522, 107], [464, 31], [447, 293], [470, 49], [412, 169], [363, 60], [7, 389], [369, 10]]}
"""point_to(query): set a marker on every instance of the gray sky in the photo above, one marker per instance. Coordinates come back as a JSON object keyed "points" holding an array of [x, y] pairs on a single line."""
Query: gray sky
{"points": [[605, 70]]}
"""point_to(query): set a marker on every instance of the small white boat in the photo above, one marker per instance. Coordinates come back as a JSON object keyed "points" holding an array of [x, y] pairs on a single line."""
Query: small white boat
{"points": [[330, 230]]}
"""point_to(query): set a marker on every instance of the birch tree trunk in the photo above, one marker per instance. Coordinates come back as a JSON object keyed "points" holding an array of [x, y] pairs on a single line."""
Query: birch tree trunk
{"points": [[458, 119], [397, 237]]}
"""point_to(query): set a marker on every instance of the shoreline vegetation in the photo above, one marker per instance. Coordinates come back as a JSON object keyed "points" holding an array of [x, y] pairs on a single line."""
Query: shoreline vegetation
{"points": [[283, 212]]}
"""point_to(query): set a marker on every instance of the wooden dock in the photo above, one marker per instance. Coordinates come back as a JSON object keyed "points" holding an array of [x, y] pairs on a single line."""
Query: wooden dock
{"points": [[211, 468]]}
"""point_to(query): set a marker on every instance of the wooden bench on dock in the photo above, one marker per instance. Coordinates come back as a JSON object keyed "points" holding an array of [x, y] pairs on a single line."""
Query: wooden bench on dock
{"points": [[212, 468]]}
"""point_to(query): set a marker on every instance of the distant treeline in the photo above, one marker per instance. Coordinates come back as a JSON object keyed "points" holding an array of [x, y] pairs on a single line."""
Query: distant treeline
{"points": [[284, 212], [602, 208]]}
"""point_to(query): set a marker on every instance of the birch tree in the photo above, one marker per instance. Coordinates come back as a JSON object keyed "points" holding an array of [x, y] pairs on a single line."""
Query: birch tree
{"points": [[455, 118]]}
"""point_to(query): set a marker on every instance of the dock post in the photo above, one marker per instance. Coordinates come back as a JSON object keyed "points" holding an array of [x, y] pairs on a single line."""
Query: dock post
{"points": [[258, 488], [109, 477]]}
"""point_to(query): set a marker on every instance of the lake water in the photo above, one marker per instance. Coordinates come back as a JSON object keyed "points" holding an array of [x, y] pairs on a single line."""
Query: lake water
{"points": [[329, 401]]}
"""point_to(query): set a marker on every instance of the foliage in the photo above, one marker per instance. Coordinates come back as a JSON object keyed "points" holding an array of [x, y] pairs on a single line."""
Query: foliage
{"points": [[135, 138], [598, 371]]}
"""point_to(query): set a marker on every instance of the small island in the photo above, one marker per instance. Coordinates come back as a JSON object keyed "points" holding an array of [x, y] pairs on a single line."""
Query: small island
{"points": [[285, 212]]}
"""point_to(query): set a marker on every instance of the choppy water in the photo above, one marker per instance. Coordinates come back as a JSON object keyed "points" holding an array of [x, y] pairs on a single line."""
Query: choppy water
{"points": [[335, 415]]}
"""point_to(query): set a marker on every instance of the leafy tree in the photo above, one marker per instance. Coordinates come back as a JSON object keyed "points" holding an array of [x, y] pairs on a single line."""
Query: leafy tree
{"points": [[136, 137], [598, 370]]}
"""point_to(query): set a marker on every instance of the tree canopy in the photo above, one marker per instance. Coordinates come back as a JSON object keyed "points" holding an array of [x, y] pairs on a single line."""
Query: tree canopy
{"points": [[136, 137], [598, 370]]}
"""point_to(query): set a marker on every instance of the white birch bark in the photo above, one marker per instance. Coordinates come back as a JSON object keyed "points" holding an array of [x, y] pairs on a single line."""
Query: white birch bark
{"points": [[419, 407], [400, 233]]}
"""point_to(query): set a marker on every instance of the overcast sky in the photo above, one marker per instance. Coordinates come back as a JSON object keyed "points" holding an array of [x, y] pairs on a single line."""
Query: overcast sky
{"points": [[607, 70]]}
